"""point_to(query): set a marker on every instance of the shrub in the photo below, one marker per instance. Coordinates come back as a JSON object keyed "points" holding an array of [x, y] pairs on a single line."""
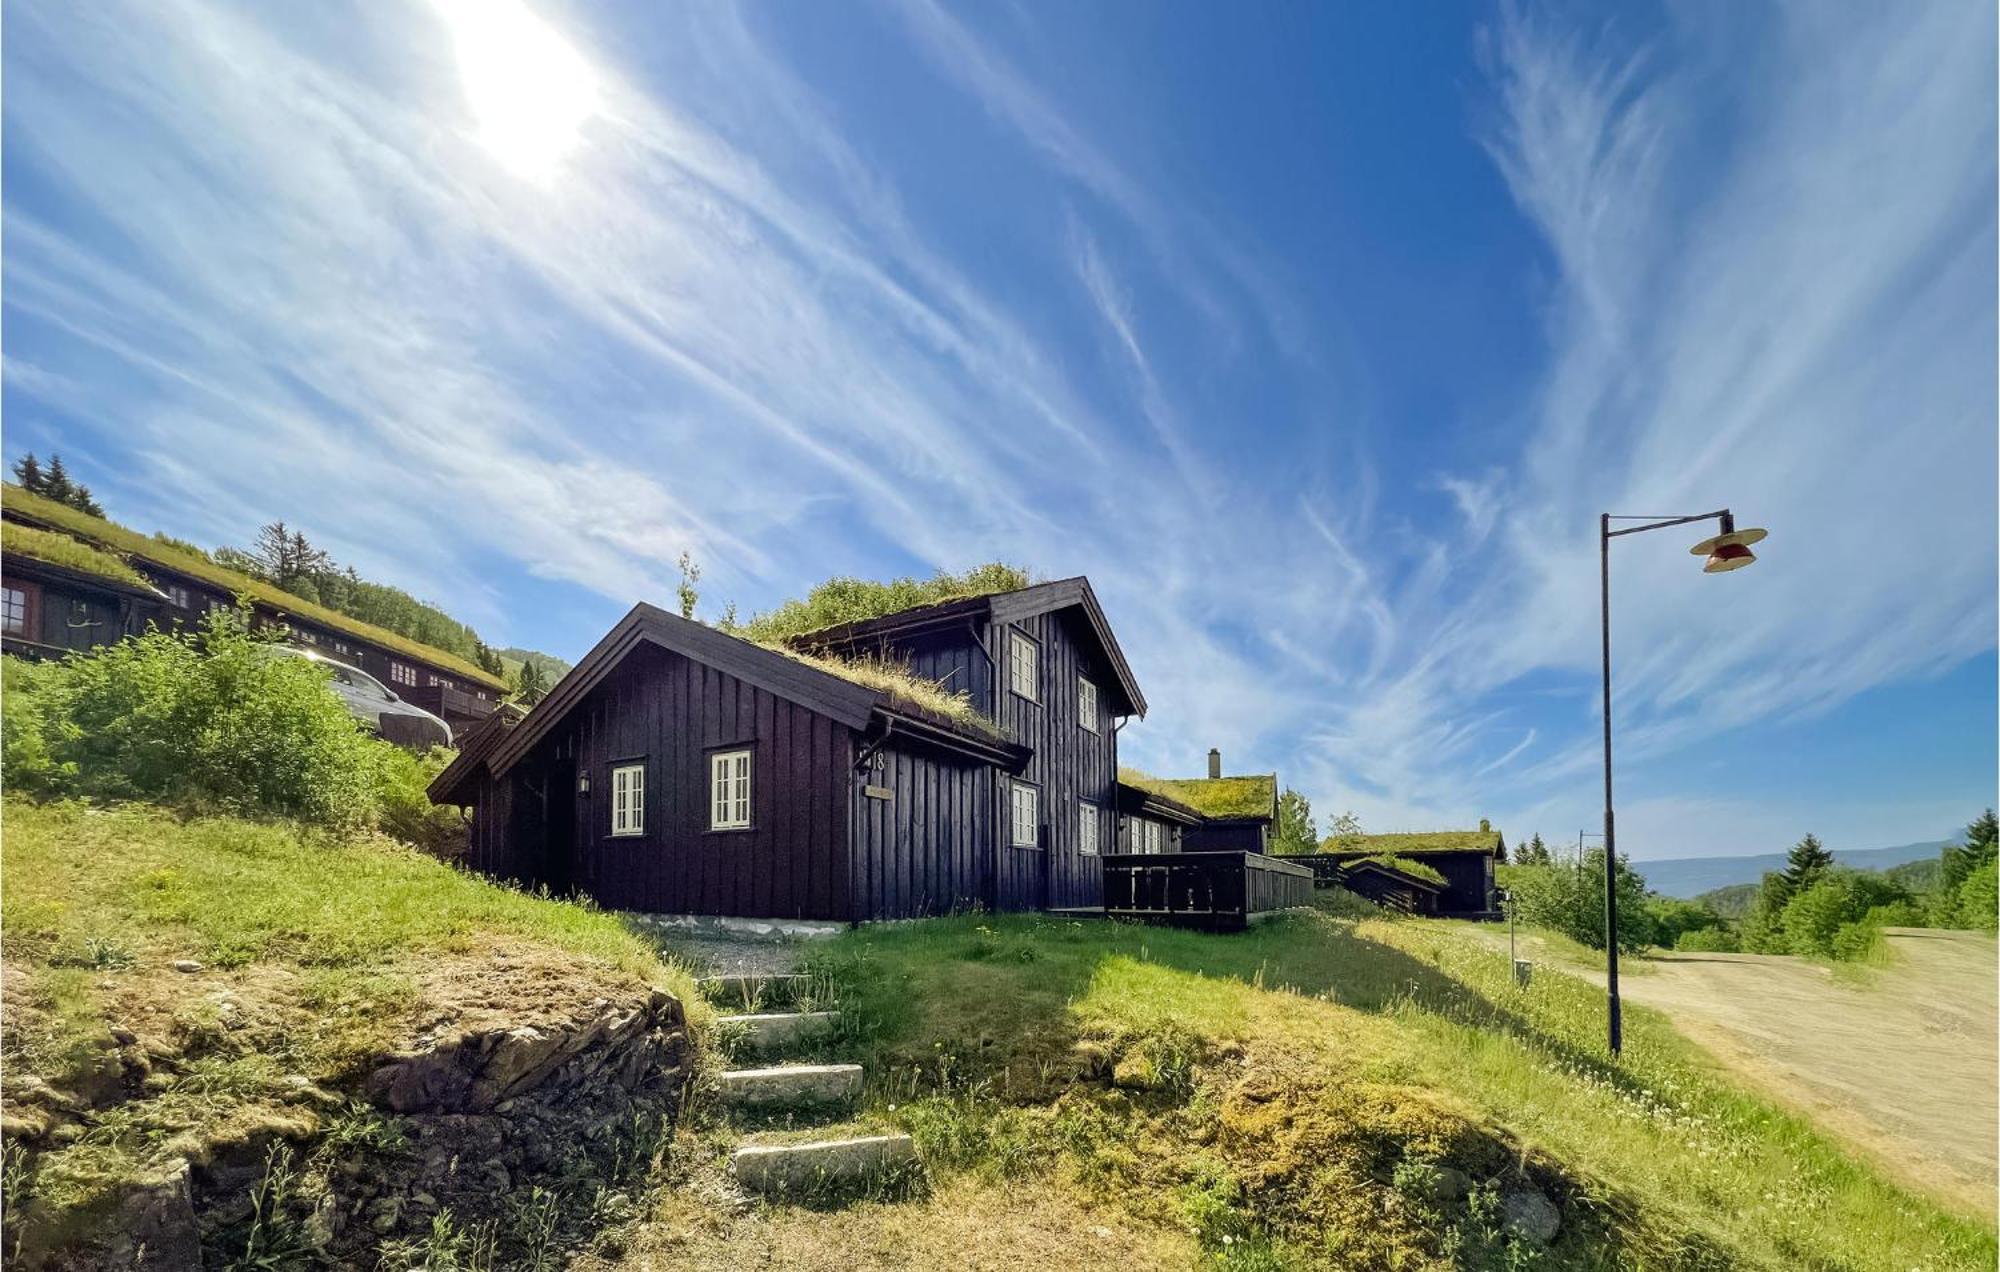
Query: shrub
{"points": [[1711, 940], [1812, 920], [206, 719], [1979, 898], [1565, 899], [1672, 918], [404, 807]]}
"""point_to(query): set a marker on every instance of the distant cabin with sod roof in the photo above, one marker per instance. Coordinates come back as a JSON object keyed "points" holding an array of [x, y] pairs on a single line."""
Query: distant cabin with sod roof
{"points": [[74, 582], [1442, 872], [940, 758]]}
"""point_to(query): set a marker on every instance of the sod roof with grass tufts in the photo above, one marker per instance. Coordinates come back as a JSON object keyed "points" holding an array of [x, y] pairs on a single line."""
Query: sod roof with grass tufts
{"points": [[1414, 843], [902, 687], [51, 548], [133, 546], [1220, 797], [841, 601]]}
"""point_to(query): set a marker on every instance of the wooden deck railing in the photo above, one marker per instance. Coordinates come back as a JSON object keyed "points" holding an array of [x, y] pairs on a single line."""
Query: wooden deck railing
{"points": [[1225, 890]]}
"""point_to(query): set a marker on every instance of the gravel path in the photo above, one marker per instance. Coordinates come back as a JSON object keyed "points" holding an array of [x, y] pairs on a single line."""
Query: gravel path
{"points": [[1900, 1061]]}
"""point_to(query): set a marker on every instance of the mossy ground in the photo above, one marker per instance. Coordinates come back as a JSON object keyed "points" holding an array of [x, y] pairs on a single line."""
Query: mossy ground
{"points": [[318, 953]]}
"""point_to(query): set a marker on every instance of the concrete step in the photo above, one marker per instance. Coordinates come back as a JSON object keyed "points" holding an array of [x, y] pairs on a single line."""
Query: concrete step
{"points": [[791, 1086], [824, 1165], [770, 1032], [755, 988]]}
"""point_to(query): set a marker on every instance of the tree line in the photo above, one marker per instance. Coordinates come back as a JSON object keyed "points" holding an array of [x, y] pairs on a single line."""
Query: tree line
{"points": [[1813, 907]]}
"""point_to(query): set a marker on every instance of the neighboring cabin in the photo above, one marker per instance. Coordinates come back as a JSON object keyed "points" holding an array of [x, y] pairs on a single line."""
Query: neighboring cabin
{"points": [[74, 581], [1215, 813], [1461, 860]]}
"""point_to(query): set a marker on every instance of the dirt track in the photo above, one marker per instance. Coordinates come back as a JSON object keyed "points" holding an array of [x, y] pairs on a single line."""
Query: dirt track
{"points": [[1903, 1062]]}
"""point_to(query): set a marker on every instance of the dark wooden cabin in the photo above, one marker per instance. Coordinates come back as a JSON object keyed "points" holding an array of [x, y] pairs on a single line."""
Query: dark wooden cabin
{"points": [[677, 769], [1390, 887], [1234, 814], [48, 610], [1151, 822], [1043, 664], [1465, 858], [181, 588]]}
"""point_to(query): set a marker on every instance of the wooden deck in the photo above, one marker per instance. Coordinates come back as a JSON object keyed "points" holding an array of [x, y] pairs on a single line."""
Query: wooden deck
{"points": [[1220, 891]]}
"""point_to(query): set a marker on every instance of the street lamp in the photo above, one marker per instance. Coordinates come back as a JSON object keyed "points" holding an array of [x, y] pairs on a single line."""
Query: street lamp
{"points": [[1729, 550]]}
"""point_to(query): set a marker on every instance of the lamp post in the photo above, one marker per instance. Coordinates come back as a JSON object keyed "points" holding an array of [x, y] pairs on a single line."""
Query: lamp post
{"points": [[1726, 551]]}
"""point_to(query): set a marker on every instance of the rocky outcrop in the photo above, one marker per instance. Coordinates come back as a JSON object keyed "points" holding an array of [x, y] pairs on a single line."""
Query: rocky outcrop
{"points": [[463, 1121]]}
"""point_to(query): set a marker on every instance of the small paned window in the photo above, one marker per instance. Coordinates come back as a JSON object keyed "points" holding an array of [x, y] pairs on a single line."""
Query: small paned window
{"points": [[628, 799], [729, 790], [13, 610], [1086, 704], [1024, 829], [1021, 657], [403, 674], [1086, 828], [178, 596]]}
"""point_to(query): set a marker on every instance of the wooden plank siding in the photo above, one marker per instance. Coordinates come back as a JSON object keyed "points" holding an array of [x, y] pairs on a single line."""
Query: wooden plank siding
{"points": [[671, 713], [1070, 764], [926, 849]]}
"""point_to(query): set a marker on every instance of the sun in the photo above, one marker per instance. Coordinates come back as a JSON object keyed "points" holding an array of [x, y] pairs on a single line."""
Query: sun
{"points": [[530, 90]]}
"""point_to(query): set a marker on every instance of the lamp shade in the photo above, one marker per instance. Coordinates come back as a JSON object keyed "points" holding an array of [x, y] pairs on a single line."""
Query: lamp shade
{"points": [[1729, 551]]}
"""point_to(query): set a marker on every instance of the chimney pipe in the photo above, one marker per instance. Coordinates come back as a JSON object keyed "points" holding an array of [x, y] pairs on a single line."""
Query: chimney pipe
{"points": [[1214, 762]]}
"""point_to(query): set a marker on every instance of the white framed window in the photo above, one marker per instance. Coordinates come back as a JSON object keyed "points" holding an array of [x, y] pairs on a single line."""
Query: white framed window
{"points": [[1148, 835], [1086, 828], [403, 674], [628, 798], [178, 596], [14, 610], [1086, 704], [1024, 832], [1021, 660], [729, 790]]}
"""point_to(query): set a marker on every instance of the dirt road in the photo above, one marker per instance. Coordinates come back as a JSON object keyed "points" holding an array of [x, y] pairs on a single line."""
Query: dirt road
{"points": [[1902, 1061]]}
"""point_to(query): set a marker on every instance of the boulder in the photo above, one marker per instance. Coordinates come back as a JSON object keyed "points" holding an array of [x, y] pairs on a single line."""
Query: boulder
{"points": [[1530, 1216]]}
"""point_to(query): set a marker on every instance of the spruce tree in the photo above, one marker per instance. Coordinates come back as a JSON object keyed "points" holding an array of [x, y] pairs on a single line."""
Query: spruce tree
{"points": [[56, 483], [530, 686], [28, 471], [1807, 861]]}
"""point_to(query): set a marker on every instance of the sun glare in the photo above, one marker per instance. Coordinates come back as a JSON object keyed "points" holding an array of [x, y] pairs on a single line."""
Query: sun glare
{"points": [[529, 88]]}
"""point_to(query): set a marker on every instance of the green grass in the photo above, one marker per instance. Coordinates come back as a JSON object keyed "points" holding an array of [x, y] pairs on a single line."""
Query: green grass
{"points": [[1406, 843], [840, 601], [901, 685], [60, 549], [1253, 796], [1293, 1088], [119, 540], [319, 953]]}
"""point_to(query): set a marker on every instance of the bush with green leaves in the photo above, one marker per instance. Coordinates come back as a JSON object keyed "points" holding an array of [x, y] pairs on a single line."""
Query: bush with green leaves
{"points": [[204, 719], [1979, 898], [1672, 918], [1709, 940], [1813, 919], [1569, 900]]}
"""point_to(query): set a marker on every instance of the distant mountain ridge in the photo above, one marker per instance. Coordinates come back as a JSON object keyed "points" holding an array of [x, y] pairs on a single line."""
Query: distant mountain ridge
{"points": [[1691, 876]]}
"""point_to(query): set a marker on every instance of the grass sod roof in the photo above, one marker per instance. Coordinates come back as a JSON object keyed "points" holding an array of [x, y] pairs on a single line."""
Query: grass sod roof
{"points": [[900, 685], [840, 601], [1404, 865], [51, 548], [131, 543], [1252, 796], [1413, 843]]}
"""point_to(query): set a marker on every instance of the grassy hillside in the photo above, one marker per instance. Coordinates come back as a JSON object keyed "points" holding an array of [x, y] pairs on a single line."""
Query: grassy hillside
{"points": [[1322, 1092], [300, 956]]}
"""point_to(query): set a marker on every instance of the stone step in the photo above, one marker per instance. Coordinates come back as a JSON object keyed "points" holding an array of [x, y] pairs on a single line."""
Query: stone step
{"points": [[791, 1086], [755, 987], [823, 1165], [768, 1032]]}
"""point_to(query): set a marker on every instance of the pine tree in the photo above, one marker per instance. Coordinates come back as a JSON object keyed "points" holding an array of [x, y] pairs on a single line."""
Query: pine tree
{"points": [[1807, 861], [1533, 853], [530, 686], [82, 501], [28, 471], [1960, 860], [56, 483]]}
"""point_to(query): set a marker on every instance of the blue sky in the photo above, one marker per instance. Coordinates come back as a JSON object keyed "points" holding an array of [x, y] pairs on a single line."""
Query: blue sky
{"points": [[1316, 335]]}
